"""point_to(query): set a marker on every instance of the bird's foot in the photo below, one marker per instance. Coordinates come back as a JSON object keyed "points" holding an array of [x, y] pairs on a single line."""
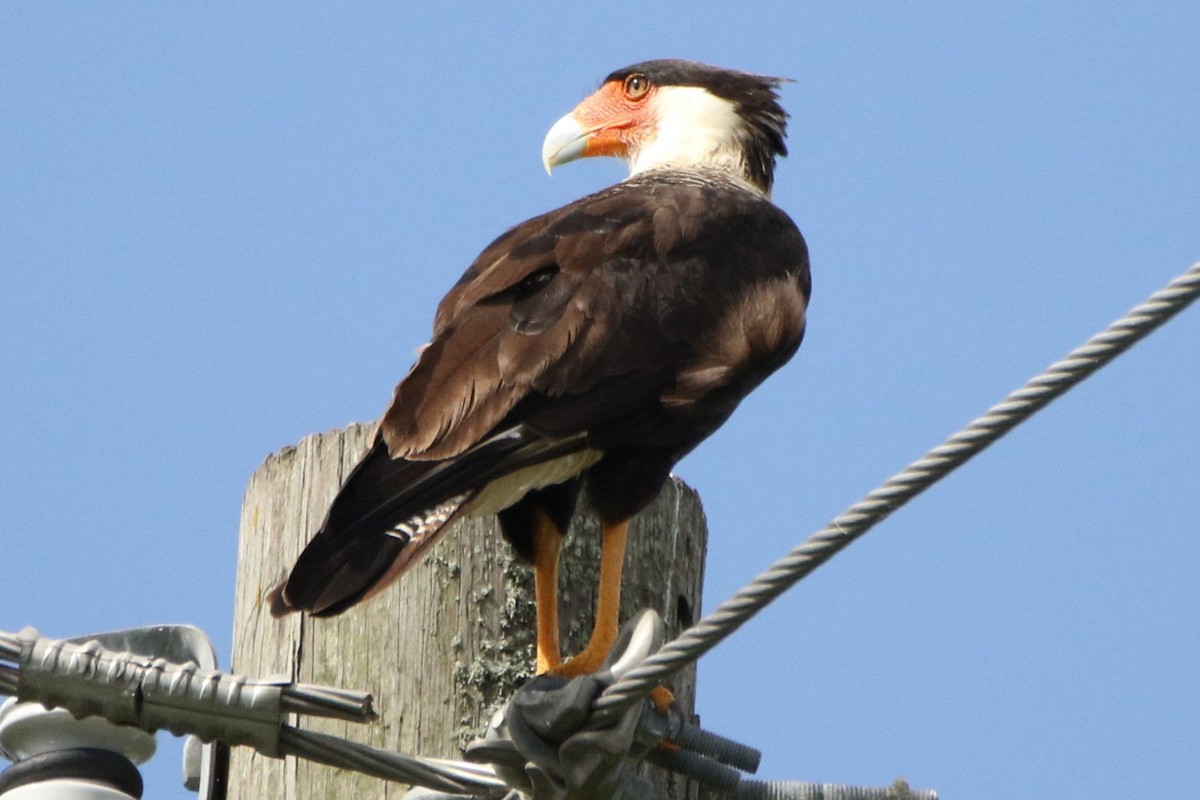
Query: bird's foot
{"points": [[591, 658], [662, 698]]}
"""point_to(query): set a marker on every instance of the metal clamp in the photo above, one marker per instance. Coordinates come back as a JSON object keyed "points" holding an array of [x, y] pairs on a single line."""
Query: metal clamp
{"points": [[152, 693], [545, 743]]}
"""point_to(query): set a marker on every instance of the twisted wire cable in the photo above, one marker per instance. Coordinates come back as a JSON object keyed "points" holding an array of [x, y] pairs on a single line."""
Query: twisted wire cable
{"points": [[151, 693], [898, 490], [441, 775]]}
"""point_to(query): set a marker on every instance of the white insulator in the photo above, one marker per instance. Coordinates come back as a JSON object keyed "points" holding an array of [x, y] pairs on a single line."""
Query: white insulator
{"points": [[29, 729], [65, 789]]}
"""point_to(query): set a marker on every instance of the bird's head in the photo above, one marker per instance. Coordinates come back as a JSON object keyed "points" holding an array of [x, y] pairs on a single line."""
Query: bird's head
{"points": [[679, 115]]}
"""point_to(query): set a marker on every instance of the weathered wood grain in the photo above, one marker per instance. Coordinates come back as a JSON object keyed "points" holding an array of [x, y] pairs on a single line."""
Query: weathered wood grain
{"points": [[442, 648]]}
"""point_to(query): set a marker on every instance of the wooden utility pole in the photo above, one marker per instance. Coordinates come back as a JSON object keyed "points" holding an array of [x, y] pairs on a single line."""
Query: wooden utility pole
{"points": [[446, 645]]}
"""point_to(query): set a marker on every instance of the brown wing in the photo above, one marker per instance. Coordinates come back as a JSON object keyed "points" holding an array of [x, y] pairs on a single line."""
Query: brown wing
{"points": [[633, 320], [588, 312], [528, 300]]}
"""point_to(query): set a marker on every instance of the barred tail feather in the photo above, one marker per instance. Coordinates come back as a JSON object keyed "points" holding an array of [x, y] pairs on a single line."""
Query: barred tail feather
{"points": [[389, 512], [375, 520], [332, 576]]}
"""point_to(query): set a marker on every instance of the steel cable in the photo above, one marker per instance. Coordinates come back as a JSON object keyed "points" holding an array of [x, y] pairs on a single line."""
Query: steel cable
{"points": [[898, 490], [437, 774]]}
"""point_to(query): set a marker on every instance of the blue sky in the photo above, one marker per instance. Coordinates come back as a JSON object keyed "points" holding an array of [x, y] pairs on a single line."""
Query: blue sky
{"points": [[224, 226]]}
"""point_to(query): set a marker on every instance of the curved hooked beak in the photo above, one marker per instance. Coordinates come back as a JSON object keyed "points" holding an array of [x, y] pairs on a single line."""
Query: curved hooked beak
{"points": [[565, 141]]}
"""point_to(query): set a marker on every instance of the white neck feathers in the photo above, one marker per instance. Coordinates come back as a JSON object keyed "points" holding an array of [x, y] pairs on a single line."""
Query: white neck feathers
{"points": [[694, 129]]}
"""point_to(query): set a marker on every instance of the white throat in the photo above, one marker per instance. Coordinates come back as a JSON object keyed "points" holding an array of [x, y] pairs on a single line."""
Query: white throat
{"points": [[695, 130]]}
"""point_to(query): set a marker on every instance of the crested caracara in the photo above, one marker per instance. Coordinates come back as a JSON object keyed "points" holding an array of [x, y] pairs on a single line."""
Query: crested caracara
{"points": [[587, 349]]}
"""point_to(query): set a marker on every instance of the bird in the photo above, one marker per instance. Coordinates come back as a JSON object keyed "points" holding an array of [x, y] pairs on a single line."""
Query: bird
{"points": [[586, 350]]}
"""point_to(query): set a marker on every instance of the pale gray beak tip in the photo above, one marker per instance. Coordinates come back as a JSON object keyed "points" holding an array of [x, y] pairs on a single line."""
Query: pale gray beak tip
{"points": [[564, 142]]}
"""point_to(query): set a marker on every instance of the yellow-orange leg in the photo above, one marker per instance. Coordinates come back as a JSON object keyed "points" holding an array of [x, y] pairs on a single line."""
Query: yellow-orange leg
{"points": [[547, 544], [608, 604], [662, 698]]}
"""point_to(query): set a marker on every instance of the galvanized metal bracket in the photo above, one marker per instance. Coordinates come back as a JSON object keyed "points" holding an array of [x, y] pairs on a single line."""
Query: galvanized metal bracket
{"points": [[546, 744]]}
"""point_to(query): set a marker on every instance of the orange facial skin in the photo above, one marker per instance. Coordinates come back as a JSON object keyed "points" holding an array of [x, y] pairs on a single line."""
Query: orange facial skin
{"points": [[616, 116]]}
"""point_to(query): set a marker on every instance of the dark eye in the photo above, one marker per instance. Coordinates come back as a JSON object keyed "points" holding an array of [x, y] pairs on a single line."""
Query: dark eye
{"points": [[636, 86]]}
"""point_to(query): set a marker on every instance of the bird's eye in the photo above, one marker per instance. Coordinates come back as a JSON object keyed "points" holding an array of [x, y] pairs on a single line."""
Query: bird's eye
{"points": [[636, 86]]}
